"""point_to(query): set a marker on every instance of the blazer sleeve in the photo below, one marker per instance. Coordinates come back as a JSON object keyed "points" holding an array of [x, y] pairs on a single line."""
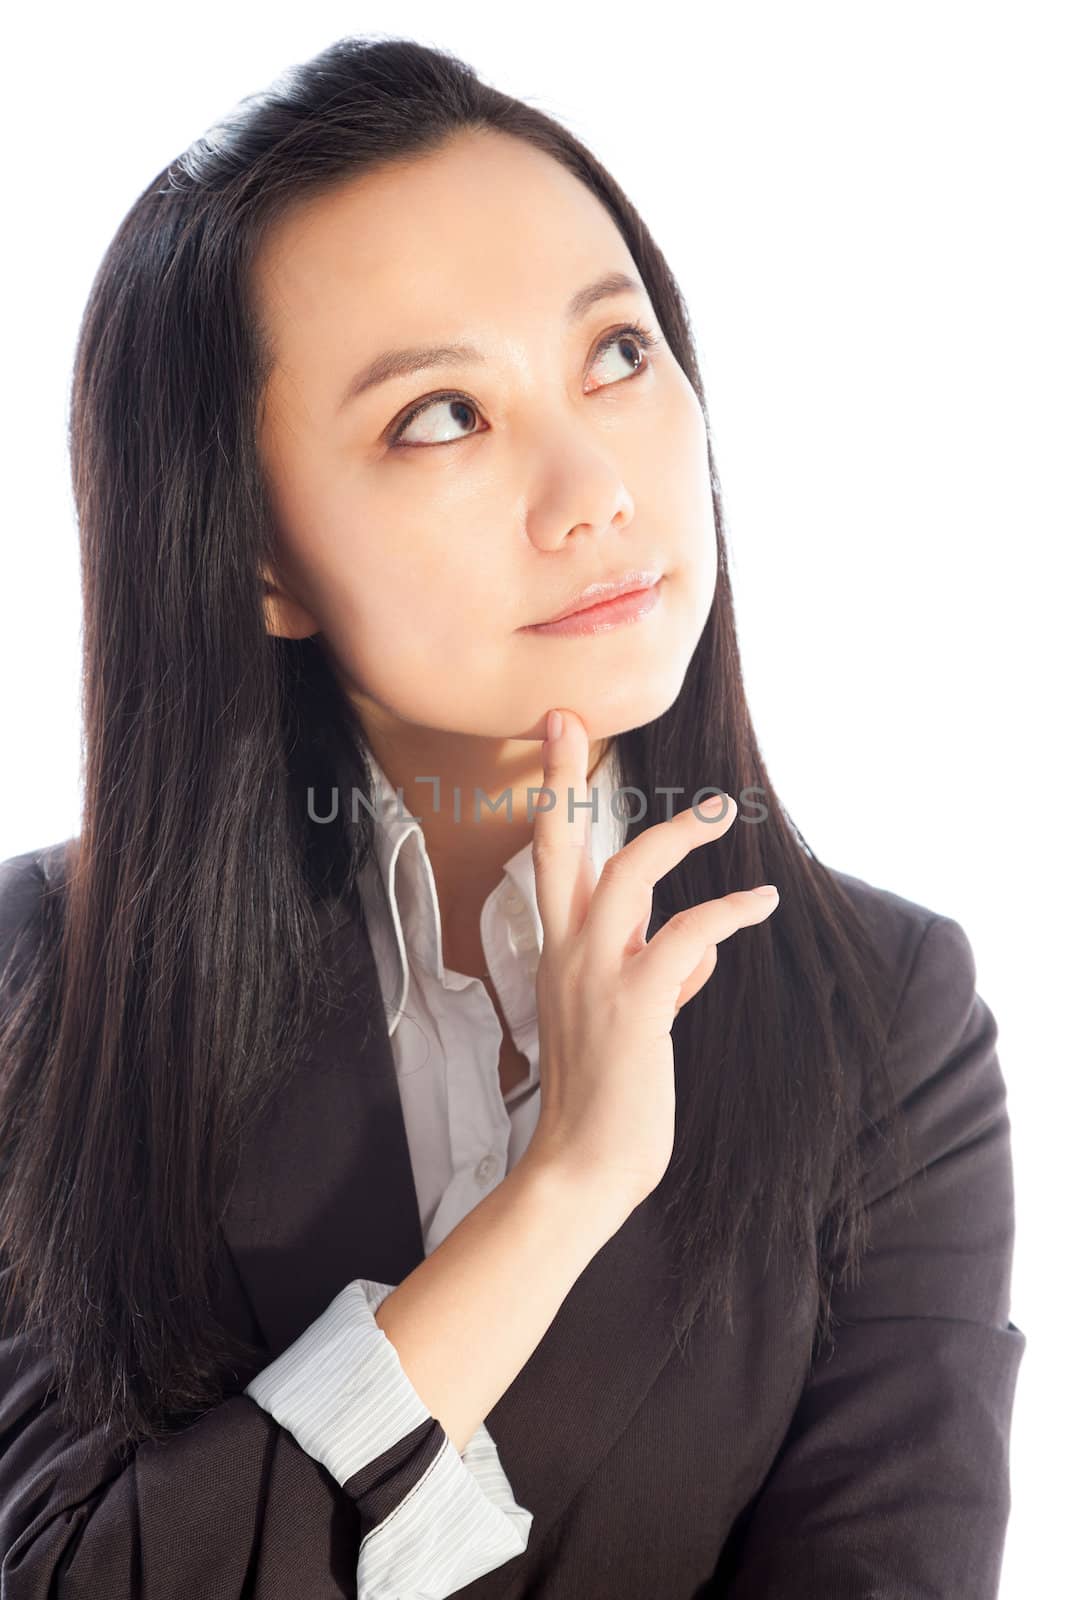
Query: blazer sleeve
{"points": [[233, 1504], [893, 1476]]}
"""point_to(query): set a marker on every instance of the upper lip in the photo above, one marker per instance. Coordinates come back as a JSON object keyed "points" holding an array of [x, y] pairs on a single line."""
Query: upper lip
{"points": [[595, 594]]}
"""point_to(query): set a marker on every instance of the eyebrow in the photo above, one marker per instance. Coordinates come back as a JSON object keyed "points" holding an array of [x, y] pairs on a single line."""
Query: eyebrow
{"points": [[419, 358]]}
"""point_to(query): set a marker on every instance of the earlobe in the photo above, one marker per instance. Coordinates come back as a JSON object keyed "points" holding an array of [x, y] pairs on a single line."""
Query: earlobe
{"points": [[283, 616]]}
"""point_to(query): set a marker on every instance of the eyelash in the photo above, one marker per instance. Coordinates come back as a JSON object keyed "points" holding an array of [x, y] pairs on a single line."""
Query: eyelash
{"points": [[642, 336]]}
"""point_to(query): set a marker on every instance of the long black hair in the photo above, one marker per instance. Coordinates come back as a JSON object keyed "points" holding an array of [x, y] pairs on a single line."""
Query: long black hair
{"points": [[172, 974]]}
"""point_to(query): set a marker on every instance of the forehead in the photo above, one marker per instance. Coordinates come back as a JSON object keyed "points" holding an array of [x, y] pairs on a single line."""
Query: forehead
{"points": [[485, 223]]}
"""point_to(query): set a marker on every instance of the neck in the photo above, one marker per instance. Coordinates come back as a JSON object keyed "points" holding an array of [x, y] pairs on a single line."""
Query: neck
{"points": [[467, 842]]}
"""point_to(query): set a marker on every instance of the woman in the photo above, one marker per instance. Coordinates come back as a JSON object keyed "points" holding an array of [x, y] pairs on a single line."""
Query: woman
{"points": [[398, 1200]]}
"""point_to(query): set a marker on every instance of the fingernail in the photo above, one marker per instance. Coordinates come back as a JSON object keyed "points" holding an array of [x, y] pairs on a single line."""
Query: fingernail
{"points": [[765, 888], [555, 725], [714, 809]]}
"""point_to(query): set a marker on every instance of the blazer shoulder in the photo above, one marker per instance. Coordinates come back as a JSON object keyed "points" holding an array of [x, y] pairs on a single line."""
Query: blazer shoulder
{"points": [[937, 1010], [25, 879], [901, 927]]}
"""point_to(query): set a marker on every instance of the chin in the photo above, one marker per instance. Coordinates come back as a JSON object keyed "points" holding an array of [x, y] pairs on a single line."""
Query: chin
{"points": [[631, 702]]}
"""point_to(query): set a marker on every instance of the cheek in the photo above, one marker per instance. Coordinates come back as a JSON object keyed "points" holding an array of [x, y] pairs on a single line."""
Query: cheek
{"points": [[689, 481], [686, 436], [423, 558], [675, 484], [406, 617], [666, 461]]}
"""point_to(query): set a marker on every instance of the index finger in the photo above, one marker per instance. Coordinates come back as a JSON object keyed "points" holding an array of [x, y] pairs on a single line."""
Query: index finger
{"points": [[563, 865]]}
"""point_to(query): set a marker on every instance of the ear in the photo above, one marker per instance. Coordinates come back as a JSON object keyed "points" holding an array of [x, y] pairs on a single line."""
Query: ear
{"points": [[283, 615]]}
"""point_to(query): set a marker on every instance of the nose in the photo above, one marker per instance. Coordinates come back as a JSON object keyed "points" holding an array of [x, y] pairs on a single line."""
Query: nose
{"points": [[581, 493]]}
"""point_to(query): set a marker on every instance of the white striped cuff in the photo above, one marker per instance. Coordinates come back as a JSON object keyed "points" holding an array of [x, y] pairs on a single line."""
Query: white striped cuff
{"points": [[342, 1393], [458, 1522]]}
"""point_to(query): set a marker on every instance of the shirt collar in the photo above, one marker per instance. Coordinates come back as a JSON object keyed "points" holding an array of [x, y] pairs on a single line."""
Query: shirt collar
{"points": [[399, 892]]}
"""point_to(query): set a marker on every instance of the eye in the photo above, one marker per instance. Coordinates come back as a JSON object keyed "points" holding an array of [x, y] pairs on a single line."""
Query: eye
{"points": [[460, 409]]}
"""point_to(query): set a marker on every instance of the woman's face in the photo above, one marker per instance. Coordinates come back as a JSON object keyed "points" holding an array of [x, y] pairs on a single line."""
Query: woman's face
{"points": [[542, 464]]}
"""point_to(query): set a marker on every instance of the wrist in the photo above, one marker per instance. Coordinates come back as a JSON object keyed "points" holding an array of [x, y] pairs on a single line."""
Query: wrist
{"points": [[586, 1204]]}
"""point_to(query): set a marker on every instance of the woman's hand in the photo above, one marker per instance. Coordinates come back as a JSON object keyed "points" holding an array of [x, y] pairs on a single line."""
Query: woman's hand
{"points": [[606, 997]]}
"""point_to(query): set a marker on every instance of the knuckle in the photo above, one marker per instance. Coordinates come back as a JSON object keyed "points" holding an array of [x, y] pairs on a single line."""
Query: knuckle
{"points": [[542, 850]]}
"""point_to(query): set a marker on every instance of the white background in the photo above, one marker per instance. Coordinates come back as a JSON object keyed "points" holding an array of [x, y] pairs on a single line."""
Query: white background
{"points": [[864, 206]]}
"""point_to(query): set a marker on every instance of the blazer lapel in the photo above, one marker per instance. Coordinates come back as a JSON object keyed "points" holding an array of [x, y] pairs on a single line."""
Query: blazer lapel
{"points": [[324, 1190], [324, 1193]]}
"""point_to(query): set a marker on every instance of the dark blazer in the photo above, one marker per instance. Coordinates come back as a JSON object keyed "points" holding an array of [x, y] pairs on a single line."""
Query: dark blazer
{"points": [[729, 1472]]}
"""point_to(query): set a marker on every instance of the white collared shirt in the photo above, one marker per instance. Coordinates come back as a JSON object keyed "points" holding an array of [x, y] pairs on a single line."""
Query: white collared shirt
{"points": [[463, 1134], [460, 1519]]}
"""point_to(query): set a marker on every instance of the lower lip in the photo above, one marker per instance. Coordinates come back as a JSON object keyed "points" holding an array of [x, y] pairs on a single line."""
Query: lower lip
{"points": [[612, 614]]}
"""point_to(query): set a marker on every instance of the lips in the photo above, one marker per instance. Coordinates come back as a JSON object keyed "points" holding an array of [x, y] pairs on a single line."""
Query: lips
{"points": [[595, 594]]}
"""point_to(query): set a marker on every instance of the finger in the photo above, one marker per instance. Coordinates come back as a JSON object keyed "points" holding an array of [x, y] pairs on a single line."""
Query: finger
{"points": [[624, 893], [563, 866], [698, 977], [667, 961]]}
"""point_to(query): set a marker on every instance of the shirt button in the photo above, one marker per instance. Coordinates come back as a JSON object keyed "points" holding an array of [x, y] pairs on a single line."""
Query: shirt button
{"points": [[513, 901], [485, 1169]]}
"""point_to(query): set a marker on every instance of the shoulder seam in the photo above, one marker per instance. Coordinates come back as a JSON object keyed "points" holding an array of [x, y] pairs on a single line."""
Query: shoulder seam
{"points": [[935, 916]]}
